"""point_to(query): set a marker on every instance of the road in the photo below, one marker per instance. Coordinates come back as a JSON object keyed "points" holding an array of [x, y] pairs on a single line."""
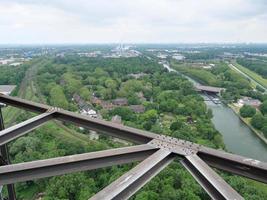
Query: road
{"points": [[245, 75]]}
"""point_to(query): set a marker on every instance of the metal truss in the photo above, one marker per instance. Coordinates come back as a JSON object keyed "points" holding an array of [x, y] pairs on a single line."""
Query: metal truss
{"points": [[154, 152]]}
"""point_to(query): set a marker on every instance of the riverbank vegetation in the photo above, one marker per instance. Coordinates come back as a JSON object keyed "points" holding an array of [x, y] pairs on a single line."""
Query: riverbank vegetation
{"points": [[171, 107], [255, 64], [247, 111], [219, 75], [257, 119], [253, 70]]}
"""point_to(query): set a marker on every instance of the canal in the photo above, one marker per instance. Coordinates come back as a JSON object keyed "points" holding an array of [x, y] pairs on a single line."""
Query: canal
{"points": [[238, 137]]}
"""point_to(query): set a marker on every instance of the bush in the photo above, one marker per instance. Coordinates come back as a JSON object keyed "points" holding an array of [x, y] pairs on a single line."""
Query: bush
{"points": [[263, 107], [264, 130], [247, 111], [259, 88], [176, 125], [257, 121]]}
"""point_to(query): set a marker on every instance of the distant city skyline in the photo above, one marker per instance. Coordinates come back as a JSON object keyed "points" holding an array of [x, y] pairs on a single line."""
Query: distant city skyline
{"points": [[139, 21]]}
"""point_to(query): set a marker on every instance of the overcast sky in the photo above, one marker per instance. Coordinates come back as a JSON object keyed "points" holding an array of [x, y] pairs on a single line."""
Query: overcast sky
{"points": [[132, 21]]}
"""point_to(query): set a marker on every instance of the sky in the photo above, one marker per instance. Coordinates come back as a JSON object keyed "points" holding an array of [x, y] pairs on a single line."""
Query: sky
{"points": [[132, 21]]}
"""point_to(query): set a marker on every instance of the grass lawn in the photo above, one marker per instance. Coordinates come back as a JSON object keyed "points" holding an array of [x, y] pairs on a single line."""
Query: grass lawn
{"points": [[253, 75]]}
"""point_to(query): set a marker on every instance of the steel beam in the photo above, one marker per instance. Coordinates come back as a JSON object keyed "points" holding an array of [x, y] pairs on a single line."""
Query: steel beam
{"points": [[247, 167], [213, 184], [112, 129], [108, 128], [5, 159], [132, 181], [24, 104], [22, 128], [67, 164]]}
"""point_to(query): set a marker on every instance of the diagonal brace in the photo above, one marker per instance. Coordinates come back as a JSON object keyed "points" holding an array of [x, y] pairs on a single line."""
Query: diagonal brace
{"points": [[211, 182], [22, 128], [132, 181]]}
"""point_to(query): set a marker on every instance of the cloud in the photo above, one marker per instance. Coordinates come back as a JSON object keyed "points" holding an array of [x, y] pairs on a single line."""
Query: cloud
{"points": [[102, 21]]}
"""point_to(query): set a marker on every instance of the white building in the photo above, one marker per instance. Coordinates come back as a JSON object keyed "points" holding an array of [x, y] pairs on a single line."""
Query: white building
{"points": [[91, 113]]}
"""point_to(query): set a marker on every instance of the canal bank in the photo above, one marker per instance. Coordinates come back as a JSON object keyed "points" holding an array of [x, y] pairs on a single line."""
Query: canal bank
{"points": [[258, 133], [238, 137]]}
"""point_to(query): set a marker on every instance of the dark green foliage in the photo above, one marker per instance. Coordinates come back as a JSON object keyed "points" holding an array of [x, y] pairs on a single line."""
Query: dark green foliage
{"points": [[264, 130], [256, 65], [125, 113], [257, 121], [176, 125], [263, 107], [73, 187], [57, 97], [259, 88], [247, 111], [12, 75]]}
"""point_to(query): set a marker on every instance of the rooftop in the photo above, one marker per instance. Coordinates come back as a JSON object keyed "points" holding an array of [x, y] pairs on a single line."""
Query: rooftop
{"points": [[7, 89], [208, 88]]}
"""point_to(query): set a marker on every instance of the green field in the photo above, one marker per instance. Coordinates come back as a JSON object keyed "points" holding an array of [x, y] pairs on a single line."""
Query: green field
{"points": [[253, 75]]}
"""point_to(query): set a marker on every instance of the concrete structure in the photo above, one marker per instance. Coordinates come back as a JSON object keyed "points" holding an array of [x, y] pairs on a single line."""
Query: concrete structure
{"points": [[120, 102], [7, 89], [107, 105], [249, 101], [209, 89], [137, 108]]}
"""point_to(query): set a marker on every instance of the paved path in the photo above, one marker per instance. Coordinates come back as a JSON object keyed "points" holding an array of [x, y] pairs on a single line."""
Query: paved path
{"points": [[245, 75]]}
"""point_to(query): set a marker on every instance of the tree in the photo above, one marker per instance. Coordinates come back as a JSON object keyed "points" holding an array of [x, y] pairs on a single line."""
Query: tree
{"points": [[264, 130], [150, 115], [259, 88], [57, 97], [133, 99], [247, 111], [85, 93], [71, 186], [257, 121], [110, 83], [147, 195], [124, 112], [176, 125], [263, 107]]}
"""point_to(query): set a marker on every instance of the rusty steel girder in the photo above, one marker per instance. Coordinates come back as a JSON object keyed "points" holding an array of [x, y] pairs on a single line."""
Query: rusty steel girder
{"points": [[153, 150]]}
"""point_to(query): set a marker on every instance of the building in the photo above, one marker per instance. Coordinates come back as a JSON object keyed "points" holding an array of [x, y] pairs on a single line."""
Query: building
{"points": [[92, 113], [7, 89], [137, 108], [96, 101], [81, 103], [89, 112], [107, 105], [120, 102], [249, 101]]}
